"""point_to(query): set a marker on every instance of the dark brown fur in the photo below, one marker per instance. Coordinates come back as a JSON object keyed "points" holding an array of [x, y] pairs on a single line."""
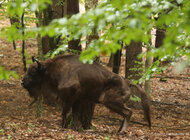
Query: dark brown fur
{"points": [[67, 80]]}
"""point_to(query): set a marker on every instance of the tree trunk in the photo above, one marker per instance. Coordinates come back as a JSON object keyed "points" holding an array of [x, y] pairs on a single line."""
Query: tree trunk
{"points": [[53, 11], [15, 21], [148, 63], [23, 43], [132, 51], [72, 7], [57, 9], [89, 4], [48, 43], [116, 61], [39, 38], [160, 35], [110, 63]]}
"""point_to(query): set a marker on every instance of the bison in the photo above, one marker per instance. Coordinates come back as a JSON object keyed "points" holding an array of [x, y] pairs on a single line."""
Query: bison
{"points": [[69, 81]]}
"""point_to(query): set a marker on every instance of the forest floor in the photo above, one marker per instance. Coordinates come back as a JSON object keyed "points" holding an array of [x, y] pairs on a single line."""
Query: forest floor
{"points": [[170, 109]]}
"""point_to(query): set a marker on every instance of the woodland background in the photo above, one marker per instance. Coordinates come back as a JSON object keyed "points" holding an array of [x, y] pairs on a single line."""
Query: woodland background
{"points": [[112, 32]]}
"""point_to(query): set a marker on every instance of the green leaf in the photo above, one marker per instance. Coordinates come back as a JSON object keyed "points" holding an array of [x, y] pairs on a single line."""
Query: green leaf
{"points": [[135, 98]]}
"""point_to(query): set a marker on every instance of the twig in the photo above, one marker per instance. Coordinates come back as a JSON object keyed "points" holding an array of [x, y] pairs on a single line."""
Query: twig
{"points": [[173, 77], [15, 117], [184, 127], [14, 45], [173, 104], [140, 123]]}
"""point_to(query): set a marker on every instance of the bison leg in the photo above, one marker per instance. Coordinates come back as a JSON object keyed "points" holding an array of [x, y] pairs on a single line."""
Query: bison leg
{"points": [[123, 111], [67, 104], [68, 94], [87, 110], [82, 112], [63, 124], [66, 107]]}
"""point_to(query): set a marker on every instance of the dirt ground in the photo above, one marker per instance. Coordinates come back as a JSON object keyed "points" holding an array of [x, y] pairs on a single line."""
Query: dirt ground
{"points": [[170, 109]]}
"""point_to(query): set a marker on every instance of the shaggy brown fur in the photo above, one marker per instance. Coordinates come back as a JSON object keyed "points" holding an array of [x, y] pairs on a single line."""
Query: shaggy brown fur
{"points": [[67, 79]]}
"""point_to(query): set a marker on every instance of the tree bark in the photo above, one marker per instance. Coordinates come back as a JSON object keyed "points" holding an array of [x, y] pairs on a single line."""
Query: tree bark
{"points": [[15, 21], [148, 63], [132, 51], [39, 38], [160, 35], [53, 11], [110, 63], [89, 4], [116, 61], [23, 43], [72, 7], [47, 42]]}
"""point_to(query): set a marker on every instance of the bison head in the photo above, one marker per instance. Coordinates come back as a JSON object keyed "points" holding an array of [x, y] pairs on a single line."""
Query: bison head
{"points": [[33, 79]]}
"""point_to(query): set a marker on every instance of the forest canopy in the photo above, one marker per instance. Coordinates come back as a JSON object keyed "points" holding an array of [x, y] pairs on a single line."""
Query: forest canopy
{"points": [[115, 21]]}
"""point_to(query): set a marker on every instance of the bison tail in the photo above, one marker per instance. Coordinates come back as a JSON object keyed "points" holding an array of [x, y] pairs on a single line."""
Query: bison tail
{"points": [[146, 106]]}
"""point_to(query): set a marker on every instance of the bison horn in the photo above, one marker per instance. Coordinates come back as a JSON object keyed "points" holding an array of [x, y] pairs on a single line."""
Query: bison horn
{"points": [[36, 60]]}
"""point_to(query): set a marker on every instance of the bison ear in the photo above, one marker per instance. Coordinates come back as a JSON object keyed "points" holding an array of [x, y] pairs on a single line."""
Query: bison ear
{"points": [[36, 60]]}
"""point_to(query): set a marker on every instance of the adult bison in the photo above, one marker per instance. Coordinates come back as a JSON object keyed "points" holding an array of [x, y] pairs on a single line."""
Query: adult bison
{"points": [[69, 81]]}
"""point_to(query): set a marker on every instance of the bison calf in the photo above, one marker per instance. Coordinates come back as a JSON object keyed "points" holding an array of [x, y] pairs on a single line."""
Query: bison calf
{"points": [[69, 81]]}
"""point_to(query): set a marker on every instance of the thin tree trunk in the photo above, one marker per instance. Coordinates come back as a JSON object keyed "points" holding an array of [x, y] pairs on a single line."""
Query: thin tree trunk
{"points": [[148, 63], [116, 61], [23, 43], [15, 21], [110, 63], [14, 45]]}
